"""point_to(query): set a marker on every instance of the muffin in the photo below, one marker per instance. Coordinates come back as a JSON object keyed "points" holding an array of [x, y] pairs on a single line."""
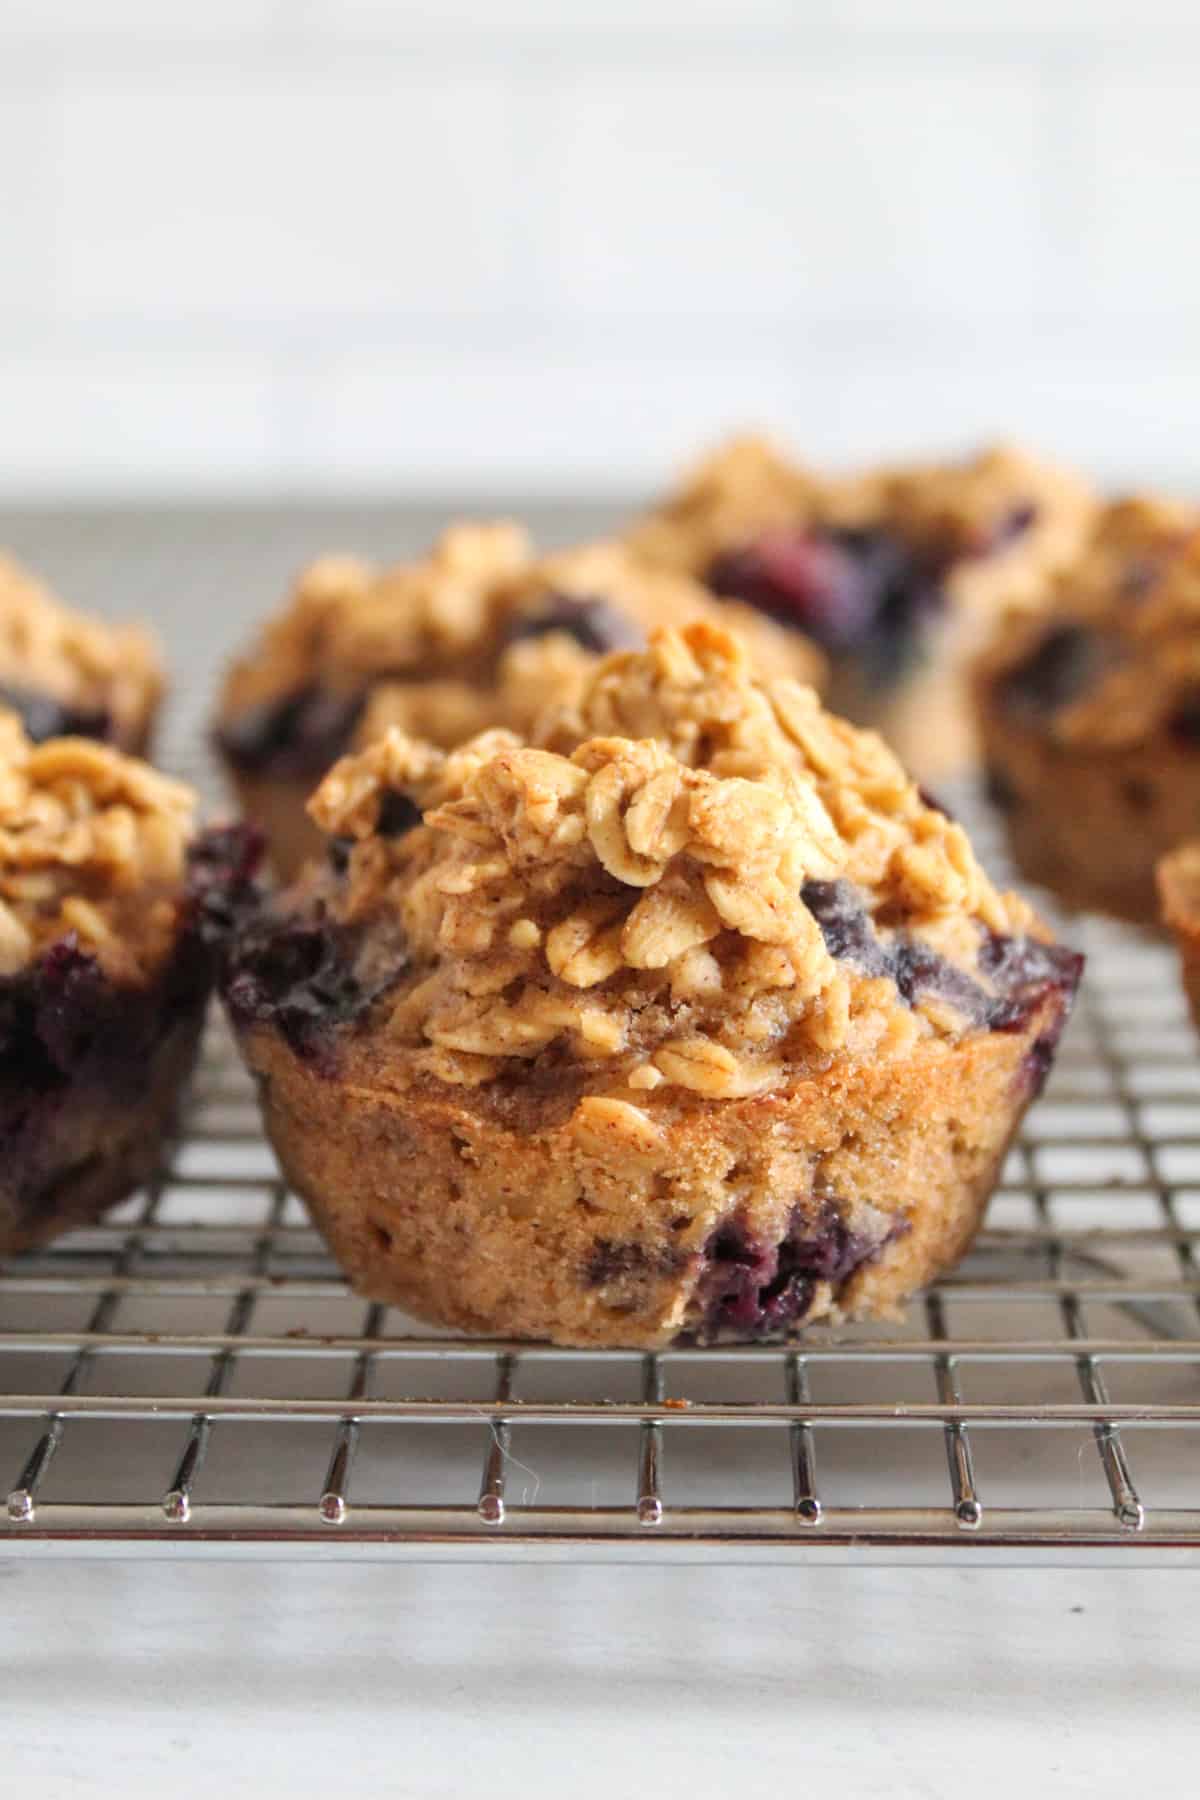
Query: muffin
{"points": [[479, 633], [1179, 896], [897, 574], [64, 674], [692, 1018], [110, 913], [1090, 714]]}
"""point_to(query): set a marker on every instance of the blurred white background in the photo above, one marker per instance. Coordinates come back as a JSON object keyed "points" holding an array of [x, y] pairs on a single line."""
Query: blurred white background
{"points": [[351, 246]]}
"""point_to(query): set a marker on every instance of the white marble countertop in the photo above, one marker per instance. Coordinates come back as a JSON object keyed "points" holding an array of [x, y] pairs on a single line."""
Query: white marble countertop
{"points": [[199, 1680]]}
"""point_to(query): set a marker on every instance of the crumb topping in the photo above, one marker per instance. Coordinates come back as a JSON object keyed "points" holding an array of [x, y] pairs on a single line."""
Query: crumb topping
{"points": [[1115, 660], [479, 633], [347, 621], [696, 878], [92, 842], [553, 620], [48, 648], [741, 488], [1000, 511]]}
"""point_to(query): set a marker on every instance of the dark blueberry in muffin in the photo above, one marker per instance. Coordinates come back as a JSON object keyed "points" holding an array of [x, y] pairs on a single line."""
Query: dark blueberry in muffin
{"points": [[307, 977], [855, 589], [1065, 662], [613, 1262], [397, 814], [1184, 723], [919, 970], [222, 894], [803, 579], [1022, 970], [754, 1288], [846, 925], [298, 734], [45, 717], [594, 624]]}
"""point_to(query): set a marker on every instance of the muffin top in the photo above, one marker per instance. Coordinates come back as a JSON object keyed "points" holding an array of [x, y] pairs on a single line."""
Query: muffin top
{"points": [[845, 557], [554, 620], [696, 881], [1115, 660], [93, 848], [64, 671], [479, 632]]}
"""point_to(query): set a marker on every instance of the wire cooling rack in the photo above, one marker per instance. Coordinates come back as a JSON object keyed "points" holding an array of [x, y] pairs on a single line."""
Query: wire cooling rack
{"points": [[193, 1377]]}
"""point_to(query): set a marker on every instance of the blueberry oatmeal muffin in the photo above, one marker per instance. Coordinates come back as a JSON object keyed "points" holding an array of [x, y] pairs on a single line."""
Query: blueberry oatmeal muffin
{"points": [[481, 632], [66, 674], [692, 1018], [897, 574], [1090, 714], [110, 911], [1179, 897]]}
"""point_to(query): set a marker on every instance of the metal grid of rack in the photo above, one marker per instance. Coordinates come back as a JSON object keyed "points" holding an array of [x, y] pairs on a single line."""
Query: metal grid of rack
{"points": [[193, 1372], [193, 1376]]}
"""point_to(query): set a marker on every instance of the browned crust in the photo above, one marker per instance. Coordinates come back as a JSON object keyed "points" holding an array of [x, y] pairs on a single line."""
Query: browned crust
{"points": [[485, 1212]]}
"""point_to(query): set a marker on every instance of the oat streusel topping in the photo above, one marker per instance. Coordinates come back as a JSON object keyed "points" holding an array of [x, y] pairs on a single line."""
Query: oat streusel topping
{"points": [[1001, 503], [347, 621], [741, 488], [91, 842], [478, 633], [48, 647], [630, 890], [1122, 633], [539, 668]]}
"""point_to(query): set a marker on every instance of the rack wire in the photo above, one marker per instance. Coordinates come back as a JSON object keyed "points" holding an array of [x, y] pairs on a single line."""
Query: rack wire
{"points": [[193, 1376]]}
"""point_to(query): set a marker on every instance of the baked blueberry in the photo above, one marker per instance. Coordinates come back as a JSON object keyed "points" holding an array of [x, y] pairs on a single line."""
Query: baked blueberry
{"points": [[897, 575]]}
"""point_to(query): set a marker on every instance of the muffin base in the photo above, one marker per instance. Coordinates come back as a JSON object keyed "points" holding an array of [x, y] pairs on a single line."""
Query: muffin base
{"points": [[79, 1151], [91, 1070], [1090, 826], [538, 1212], [277, 805]]}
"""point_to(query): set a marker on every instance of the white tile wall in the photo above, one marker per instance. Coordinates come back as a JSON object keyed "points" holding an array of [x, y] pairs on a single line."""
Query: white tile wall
{"points": [[502, 244], [717, 194], [283, 200]]}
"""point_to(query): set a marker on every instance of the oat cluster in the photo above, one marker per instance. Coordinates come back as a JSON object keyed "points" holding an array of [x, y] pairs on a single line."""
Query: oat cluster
{"points": [[91, 842], [629, 889], [50, 648], [456, 643], [738, 490], [1002, 505], [348, 621], [1131, 603]]}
